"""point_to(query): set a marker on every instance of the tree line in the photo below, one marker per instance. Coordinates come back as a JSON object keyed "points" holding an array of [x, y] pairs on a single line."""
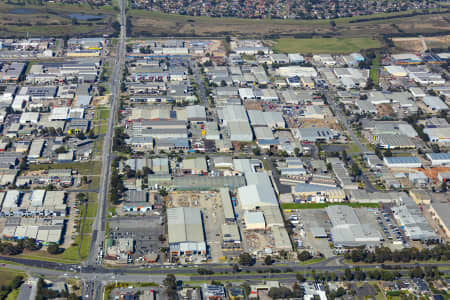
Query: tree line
{"points": [[383, 254]]}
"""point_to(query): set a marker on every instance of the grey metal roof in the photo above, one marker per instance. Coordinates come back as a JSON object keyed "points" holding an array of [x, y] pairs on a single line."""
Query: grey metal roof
{"points": [[402, 160], [185, 225], [438, 156]]}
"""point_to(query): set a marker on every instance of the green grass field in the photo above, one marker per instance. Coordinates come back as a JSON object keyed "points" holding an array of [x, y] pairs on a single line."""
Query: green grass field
{"points": [[52, 19], [69, 256], [13, 295], [84, 168], [324, 45], [323, 205], [153, 24], [311, 261], [374, 70], [7, 275]]}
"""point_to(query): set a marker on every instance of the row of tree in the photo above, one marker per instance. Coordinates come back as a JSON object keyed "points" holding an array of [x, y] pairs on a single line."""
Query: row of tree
{"points": [[9, 248], [117, 185], [383, 254]]}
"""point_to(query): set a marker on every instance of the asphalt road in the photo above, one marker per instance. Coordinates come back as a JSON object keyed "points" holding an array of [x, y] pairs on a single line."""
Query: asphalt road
{"points": [[99, 224], [201, 88], [362, 148]]}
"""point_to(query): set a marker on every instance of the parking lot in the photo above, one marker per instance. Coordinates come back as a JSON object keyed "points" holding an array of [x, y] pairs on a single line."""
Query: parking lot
{"points": [[145, 231], [308, 219], [384, 221]]}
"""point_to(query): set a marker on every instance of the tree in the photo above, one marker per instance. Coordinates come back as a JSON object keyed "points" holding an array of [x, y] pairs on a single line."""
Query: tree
{"points": [[356, 171], [304, 256], [297, 291], [300, 277], [61, 149], [246, 259], [268, 260], [171, 286], [296, 151], [53, 249], [81, 197], [280, 293], [235, 268], [163, 192], [417, 272], [348, 275]]}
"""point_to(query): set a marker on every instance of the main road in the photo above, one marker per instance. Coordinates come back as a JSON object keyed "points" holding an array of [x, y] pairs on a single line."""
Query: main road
{"points": [[98, 232]]}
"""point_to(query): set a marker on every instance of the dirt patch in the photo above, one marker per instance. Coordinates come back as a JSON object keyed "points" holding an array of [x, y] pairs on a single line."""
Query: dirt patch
{"points": [[432, 173]]}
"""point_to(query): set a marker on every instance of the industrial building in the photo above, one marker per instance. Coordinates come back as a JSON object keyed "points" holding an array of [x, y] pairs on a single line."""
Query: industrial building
{"points": [[348, 231], [186, 232]]}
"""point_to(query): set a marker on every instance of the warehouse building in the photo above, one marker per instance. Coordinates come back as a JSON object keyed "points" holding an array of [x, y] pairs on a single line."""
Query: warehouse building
{"points": [[196, 113], [319, 134], [434, 103], [393, 141], [438, 135], [281, 239], [258, 192], [196, 165], [412, 221], [402, 162], [227, 205], [37, 198], [272, 119], [231, 238], [240, 131], [348, 231], [185, 229], [254, 220], [36, 148], [439, 159], [194, 182], [441, 212]]}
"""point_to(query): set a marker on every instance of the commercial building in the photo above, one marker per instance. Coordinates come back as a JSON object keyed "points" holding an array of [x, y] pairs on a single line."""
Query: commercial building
{"points": [[186, 232]]}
